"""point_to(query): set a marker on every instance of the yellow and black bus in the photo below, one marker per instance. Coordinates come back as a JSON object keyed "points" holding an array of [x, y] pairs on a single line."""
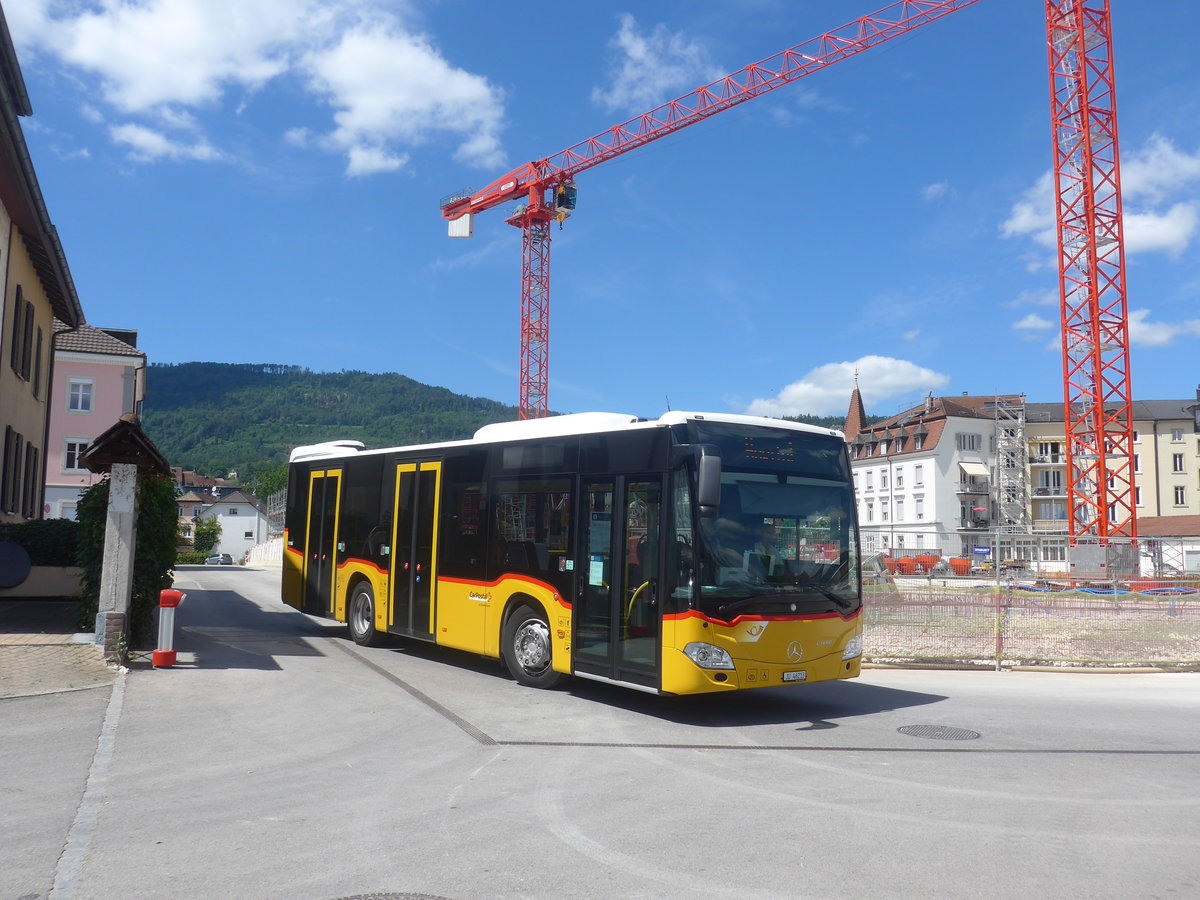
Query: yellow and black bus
{"points": [[686, 554]]}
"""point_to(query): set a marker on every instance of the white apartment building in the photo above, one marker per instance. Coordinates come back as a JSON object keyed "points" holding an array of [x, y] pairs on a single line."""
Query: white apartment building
{"points": [[984, 478], [924, 478]]}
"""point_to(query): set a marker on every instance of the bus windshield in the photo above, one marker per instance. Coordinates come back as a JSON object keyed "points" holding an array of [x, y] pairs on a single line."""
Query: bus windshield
{"points": [[784, 541]]}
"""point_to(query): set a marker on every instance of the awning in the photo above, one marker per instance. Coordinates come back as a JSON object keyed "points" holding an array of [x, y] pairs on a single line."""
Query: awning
{"points": [[977, 469]]}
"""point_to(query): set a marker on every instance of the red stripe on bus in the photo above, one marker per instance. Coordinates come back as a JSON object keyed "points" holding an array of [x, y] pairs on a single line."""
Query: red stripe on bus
{"points": [[695, 614], [362, 562]]}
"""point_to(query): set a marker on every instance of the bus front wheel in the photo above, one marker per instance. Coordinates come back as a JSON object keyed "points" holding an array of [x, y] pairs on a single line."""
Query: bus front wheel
{"points": [[361, 616], [527, 648]]}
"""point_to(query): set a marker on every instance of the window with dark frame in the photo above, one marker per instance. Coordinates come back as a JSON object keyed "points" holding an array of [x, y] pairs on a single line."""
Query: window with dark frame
{"points": [[14, 359], [27, 341], [37, 365], [72, 455], [5, 472]]}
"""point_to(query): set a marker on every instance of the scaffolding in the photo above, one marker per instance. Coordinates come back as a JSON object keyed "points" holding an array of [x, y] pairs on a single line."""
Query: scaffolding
{"points": [[276, 506], [1012, 469]]}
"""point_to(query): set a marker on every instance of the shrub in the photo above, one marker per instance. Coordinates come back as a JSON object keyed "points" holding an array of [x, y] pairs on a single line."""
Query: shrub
{"points": [[49, 542]]}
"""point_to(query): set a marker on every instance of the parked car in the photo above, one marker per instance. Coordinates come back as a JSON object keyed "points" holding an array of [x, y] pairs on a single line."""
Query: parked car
{"points": [[221, 559]]}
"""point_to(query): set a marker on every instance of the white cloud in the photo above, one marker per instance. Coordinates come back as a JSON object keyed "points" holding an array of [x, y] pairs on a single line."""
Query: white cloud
{"points": [[1157, 170], [166, 61], [369, 160], [800, 99], [162, 52], [388, 87], [826, 389], [934, 192], [1144, 333], [298, 137], [1170, 231], [912, 335], [147, 145], [652, 68], [1152, 174], [1032, 322], [1033, 213], [1041, 297]]}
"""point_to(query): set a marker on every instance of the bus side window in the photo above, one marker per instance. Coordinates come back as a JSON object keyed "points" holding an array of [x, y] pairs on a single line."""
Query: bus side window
{"points": [[531, 523], [463, 543]]}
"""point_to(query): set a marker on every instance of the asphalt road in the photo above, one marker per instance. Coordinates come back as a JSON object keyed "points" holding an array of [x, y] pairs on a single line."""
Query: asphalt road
{"points": [[279, 760]]}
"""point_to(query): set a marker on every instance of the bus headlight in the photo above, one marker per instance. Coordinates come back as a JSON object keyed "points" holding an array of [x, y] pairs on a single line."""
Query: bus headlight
{"points": [[706, 656], [853, 647]]}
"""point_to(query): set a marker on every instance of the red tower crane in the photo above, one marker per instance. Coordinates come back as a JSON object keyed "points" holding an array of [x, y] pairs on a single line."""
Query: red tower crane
{"points": [[1095, 326], [1097, 400]]}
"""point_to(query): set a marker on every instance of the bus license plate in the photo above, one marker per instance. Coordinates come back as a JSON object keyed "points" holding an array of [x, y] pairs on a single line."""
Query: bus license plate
{"points": [[795, 676]]}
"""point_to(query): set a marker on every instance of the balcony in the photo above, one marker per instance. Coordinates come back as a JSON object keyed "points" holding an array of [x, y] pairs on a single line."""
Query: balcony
{"points": [[972, 487], [1053, 459], [973, 524], [1050, 491]]}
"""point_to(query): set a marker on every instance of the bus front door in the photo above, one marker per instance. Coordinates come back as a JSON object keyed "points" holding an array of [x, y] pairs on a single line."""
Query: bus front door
{"points": [[414, 548], [617, 621], [320, 546]]}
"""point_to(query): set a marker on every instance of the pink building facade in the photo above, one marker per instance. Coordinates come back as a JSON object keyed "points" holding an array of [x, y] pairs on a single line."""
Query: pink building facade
{"points": [[99, 376]]}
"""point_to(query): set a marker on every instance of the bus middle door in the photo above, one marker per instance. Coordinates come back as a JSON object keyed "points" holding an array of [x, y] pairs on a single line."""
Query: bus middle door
{"points": [[414, 548]]}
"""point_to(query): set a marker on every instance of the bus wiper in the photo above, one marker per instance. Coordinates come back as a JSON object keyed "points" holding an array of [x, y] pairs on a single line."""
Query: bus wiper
{"points": [[837, 598]]}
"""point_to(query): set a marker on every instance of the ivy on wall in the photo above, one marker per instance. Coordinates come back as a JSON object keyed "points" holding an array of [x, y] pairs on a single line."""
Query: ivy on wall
{"points": [[153, 556]]}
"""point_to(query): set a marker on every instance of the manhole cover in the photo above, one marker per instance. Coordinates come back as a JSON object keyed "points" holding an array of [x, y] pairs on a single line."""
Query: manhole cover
{"points": [[391, 895], [939, 732]]}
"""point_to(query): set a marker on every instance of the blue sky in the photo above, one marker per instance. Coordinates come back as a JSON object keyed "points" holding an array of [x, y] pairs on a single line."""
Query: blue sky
{"points": [[259, 182]]}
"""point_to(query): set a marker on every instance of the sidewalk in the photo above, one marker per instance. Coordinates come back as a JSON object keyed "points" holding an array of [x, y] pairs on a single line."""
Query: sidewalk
{"points": [[41, 653]]}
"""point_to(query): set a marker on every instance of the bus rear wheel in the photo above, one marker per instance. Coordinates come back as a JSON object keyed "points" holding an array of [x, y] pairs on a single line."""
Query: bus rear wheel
{"points": [[360, 617], [527, 648]]}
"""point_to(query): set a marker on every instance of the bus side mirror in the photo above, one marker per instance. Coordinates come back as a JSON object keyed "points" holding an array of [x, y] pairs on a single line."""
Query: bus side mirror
{"points": [[708, 474], [708, 480]]}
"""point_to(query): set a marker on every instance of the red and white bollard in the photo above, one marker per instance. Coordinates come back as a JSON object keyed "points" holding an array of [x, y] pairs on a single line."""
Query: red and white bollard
{"points": [[164, 656]]}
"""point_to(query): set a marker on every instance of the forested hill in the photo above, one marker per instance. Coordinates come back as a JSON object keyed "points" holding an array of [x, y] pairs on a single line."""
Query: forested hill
{"points": [[214, 417]]}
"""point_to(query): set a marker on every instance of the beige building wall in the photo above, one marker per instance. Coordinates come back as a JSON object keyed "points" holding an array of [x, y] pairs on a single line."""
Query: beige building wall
{"points": [[1166, 469], [1168, 452], [23, 400]]}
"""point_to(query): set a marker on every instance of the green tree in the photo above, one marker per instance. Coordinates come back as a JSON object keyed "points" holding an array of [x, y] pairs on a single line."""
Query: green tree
{"points": [[269, 480], [206, 535]]}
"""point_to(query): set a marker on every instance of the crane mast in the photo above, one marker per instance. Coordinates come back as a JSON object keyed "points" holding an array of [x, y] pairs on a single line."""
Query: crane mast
{"points": [[1097, 399]]}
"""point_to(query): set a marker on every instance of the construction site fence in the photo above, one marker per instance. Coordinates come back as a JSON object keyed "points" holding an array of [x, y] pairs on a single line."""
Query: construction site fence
{"points": [[1010, 553], [1008, 624]]}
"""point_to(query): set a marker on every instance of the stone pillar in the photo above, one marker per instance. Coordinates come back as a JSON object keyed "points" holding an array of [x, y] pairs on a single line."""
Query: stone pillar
{"points": [[116, 576]]}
